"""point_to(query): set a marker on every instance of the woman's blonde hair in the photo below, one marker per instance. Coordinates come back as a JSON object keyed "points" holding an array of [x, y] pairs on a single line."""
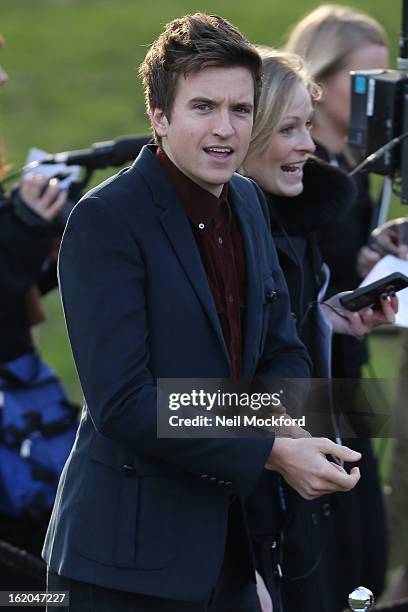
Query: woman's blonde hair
{"points": [[327, 35], [282, 72]]}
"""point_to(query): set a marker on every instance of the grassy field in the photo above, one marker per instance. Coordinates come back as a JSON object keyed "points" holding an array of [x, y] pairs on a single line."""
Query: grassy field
{"points": [[73, 81]]}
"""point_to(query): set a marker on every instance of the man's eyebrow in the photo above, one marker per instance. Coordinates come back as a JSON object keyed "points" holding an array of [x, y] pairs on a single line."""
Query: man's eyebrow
{"points": [[204, 100]]}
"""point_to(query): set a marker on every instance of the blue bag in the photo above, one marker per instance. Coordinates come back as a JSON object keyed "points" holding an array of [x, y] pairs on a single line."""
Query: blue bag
{"points": [[37, 430]]}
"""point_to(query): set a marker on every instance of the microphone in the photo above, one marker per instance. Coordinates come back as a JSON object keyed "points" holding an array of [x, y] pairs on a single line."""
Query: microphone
{"points": [[378, 153], [102, 154]]}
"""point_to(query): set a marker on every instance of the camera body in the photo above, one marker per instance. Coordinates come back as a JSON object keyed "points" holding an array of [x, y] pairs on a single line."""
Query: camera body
{"points": [[377, 116]]}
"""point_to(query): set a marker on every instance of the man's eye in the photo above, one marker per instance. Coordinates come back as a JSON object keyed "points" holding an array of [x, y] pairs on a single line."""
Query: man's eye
{"points": [[309, 124], [243, 110], [202, 106]]}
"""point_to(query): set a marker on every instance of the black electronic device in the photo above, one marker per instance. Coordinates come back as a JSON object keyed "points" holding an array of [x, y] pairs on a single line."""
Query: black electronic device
{"points": [[377, 100], [378, 127], [370, 295]]}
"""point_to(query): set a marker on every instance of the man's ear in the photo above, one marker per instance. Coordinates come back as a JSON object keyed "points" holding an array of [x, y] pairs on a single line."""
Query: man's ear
{"points": [[159, 122]]}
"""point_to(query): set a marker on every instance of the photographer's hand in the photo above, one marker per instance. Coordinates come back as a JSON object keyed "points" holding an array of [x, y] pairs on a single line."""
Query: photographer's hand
{"points": [[43, 197], [392, 238]]}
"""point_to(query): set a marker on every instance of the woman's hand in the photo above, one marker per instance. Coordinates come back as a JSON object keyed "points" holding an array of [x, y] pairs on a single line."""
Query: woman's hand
{"points": [[362, 322], [43, 197]]}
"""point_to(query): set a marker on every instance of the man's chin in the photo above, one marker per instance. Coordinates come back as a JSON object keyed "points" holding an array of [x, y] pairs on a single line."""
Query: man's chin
{"points": [[218, 179]]}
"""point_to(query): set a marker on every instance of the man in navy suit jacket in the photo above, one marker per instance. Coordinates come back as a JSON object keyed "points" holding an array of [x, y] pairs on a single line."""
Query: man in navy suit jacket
{"points": [[168, 270]]}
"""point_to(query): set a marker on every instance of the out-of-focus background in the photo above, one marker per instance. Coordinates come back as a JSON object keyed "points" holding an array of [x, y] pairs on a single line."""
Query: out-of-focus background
{"points": [[73, 81]]}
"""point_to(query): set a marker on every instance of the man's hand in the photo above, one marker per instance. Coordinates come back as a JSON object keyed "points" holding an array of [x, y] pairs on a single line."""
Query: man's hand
{"points": [[304, 465], [362, 322], [44, 197]]}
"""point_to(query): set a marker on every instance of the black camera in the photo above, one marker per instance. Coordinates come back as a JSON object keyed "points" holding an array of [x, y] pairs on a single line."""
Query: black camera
{"points": [[378, 126]]}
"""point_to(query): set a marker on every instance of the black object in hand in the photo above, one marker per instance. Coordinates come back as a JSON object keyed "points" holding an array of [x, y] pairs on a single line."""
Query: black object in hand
{"points": [[370, 295]]}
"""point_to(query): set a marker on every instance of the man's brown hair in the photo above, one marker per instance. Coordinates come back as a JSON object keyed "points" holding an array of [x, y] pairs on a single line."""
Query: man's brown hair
{"points": [[190, 44]]}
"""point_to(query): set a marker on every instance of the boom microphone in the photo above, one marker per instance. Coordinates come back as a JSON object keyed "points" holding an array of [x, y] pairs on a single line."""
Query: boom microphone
{"points": [[102, 154]]}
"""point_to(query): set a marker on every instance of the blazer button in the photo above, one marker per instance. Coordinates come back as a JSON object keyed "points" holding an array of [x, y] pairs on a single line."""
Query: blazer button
{"points": [[203, 475], [129, 470], [271, 296], [326, 510]]}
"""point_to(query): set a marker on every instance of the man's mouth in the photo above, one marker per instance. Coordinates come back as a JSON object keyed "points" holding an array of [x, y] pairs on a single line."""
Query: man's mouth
{"points": [[219, 151]]}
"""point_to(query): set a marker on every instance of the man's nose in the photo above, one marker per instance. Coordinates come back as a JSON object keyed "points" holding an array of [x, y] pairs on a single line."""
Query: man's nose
{"points": [[223, 125]]}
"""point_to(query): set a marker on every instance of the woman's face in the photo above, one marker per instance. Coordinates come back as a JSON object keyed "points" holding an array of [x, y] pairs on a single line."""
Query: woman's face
{"points": [[279, 168], [3, 73], [335, 102]]}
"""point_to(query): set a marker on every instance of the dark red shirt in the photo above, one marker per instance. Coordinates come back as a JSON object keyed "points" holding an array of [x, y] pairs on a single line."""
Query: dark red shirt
{"points": [[219, 241]]}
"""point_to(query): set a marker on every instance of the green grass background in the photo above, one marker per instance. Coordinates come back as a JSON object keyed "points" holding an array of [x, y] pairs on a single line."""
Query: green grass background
{"points": [[73, 81]]}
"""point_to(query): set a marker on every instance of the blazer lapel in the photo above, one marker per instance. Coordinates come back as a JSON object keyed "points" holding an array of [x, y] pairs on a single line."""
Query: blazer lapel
{"points": [[253, 300]]}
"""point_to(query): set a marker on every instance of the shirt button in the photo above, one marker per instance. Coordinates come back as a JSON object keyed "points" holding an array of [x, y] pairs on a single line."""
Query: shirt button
{"points": [[220, 240], [201, 226], [230, 299]]}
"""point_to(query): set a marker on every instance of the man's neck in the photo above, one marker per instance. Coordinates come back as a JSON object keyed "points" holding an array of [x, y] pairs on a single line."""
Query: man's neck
{"points": [[215, 191]]}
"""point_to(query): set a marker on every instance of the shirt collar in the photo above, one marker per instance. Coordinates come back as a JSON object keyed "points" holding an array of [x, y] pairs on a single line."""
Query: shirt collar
{"points": [[200, 205]]}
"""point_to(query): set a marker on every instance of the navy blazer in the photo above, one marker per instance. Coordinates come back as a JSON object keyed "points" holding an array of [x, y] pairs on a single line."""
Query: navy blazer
{"points": [[135, 512]]}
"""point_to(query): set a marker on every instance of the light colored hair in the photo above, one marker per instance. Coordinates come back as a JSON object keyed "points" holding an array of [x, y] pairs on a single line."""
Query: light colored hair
{"points": [[282, 72], [327, 35]]}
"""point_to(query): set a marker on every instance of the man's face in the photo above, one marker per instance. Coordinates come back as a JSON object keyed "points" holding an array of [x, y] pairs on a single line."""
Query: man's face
{"points": [[210, 126]]}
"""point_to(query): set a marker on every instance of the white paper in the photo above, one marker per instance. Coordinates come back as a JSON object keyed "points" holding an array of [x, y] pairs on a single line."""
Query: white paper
{"points": [[388, 265], [51, 170]]}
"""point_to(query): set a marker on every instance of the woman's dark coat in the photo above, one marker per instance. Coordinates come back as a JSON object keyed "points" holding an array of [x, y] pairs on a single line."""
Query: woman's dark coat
{"points": [[336, 542]]}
